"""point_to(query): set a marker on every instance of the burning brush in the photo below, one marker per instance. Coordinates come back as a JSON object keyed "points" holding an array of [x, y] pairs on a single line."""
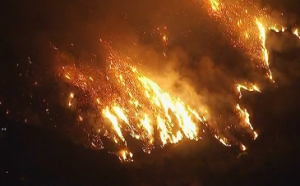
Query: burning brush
{"points": [[131, 103], [128, 102]]}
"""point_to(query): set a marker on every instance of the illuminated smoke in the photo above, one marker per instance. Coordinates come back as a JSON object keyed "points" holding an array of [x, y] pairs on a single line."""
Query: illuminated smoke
{"points": [[129, 102]]}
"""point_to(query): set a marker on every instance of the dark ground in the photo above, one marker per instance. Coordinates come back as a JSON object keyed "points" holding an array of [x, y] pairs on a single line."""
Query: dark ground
{"points": [[40, 154]]}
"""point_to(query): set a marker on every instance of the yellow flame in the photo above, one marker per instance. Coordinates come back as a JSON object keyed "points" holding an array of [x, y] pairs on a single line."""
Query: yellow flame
{"points": [[147, 126], [255, 135], [114, 121], [120, 114], [98, 100], [125, 156], [215, 5], [262, 31], [246, 119], [223, 140], [67, 76], [243, 147], [296, 33], [248, 88]]}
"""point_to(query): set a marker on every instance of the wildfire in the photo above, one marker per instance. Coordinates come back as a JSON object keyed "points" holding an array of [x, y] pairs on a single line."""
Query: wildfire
{"points": [[245, 24], [131, 103]]}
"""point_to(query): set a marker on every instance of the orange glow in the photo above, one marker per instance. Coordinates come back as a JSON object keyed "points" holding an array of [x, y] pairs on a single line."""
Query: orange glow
{"points": [[133, 104]]}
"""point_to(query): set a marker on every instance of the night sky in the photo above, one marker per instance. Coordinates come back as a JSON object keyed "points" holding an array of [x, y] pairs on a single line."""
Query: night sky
{"points": [[42, 142]]}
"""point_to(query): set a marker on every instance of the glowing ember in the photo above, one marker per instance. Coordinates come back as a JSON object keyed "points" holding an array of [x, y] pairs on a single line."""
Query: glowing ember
{"points": [[71, 95], [165, 39]]}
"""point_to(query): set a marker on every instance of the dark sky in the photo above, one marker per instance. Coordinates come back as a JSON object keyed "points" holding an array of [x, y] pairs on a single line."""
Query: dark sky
{"points": [[49, 148]]}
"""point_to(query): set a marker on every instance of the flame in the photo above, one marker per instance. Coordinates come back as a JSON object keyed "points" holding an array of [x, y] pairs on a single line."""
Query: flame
{"points": [[67, 76], [243, 147], [276, 29], [245, 116], [255, 135], [246, 26], [125, 156], [296, 33], [114, 121], [131, 103], [215, 5], [250, 88], [224, 141], [264, 49]]}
